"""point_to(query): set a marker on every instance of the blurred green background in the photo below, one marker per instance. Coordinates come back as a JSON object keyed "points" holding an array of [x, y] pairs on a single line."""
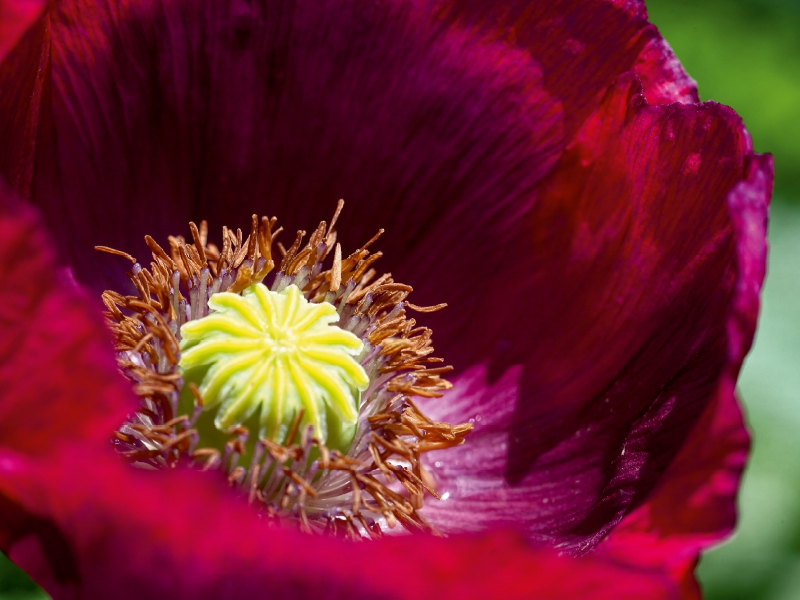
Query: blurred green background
{"points": [[746, 54]]}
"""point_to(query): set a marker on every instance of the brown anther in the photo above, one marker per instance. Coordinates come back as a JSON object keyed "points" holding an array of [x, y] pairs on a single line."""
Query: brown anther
{"points": [[135, 455], [141, 343], [158, 251], [236, 475], [317, 237], [177, 421], [373, 239], [356, 492], [108, 250], [301, 482], [325, 456], [225, 254], [291, 267], [358, 294], [337, 212], [211, 455], [198, 241], [336, 271], [188, 267], [252, 246], [365, 265], [235, 445], [295, 426], [426, 309], [289, 254], [264, 239], [196, 393], [123, 437], [254, 480]]}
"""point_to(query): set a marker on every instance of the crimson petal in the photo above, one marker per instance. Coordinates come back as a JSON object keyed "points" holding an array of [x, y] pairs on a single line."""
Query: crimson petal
{"points": [[54, 348], [226, 109], [58, 385], [605, 334], [149, 535], [693, 505]]}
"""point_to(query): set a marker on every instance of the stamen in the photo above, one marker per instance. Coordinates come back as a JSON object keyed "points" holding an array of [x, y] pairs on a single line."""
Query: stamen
{"points": [[200, 305]]}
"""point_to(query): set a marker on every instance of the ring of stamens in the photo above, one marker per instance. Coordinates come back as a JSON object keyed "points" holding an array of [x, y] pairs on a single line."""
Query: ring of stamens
{"points": [[380, 481]]}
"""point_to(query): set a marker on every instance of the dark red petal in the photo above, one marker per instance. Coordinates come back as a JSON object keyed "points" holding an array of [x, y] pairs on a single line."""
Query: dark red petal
{"points": [[23, 79], [228, 108], [427, 119], [693, 506], [582, 45], [58, 380], [606, 333], [16, 16], [182, 535]]}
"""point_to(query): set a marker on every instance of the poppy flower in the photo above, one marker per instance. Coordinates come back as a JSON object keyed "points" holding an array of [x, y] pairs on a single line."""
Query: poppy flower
{"points": [[544, 169]]}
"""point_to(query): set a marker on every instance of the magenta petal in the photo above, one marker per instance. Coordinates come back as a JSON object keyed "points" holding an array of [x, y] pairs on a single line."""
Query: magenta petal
{"points": [[152, 535], [582, 46], [15, 18], [605, 338], [54, 349], [226, 109], [693, 505], [58, 382]]}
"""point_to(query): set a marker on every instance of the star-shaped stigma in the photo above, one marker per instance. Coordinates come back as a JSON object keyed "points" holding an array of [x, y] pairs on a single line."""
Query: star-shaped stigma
{"points": [[278, 352]]}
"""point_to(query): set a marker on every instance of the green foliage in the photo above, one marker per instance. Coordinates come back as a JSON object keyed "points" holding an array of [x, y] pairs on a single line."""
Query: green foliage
{"points": [[14, 583]]}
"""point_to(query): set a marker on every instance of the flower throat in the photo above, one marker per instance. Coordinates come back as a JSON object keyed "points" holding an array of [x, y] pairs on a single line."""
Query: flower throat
{"points": [[296, 384]]}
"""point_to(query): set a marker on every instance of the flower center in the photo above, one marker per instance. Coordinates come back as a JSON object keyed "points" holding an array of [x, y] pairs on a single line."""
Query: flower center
{"points": [[279, 354], [297, 385]]}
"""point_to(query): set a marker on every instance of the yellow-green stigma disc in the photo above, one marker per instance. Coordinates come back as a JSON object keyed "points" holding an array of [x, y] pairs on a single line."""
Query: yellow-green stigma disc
{"points": [[276, 353]]}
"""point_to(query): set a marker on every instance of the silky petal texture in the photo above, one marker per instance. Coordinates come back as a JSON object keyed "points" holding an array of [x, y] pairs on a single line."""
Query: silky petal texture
{"points": [[23, 81], [693, 505], [608, 350], [603, 274], [54, 348], [409, 102], [168, 111], [58, 384], [146, 535], [582, 47], [16, 16]]}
